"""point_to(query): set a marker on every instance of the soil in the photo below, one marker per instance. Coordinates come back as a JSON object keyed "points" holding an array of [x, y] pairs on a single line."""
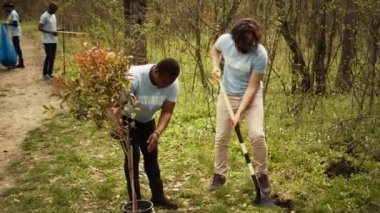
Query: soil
{"points": [[342, 168], [22, 96]]}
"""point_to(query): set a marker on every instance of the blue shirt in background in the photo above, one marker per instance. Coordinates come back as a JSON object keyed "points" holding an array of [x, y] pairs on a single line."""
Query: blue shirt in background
{"points": [[238, 67], [150, 97]]}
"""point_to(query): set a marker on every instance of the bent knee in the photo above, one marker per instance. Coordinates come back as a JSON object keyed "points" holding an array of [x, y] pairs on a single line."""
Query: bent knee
{"points": [[257, 140]]}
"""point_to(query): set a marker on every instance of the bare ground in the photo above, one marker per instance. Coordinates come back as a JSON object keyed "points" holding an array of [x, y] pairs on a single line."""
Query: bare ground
{"points": [[22, 96]]}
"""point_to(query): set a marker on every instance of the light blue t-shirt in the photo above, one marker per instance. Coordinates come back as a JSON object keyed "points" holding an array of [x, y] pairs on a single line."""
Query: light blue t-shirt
{"points": [[150, 97], [13, 16], [238, 67], [49, 23]]}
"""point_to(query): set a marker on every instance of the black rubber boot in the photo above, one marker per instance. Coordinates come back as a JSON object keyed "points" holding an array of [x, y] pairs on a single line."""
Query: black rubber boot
{"points": [[159, 199]]}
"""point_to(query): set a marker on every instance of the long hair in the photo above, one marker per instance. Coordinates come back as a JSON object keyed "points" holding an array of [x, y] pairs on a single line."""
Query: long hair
{"points": [[246, 26]]}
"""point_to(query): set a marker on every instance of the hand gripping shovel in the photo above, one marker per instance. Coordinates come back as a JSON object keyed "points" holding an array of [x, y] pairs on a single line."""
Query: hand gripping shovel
{"points": [[265, 201]]}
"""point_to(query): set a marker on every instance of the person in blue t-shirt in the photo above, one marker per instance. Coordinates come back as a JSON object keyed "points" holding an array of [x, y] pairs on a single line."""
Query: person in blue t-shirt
{"points": [[156, 87], [15, 31], [245, 62], [48, 26]]}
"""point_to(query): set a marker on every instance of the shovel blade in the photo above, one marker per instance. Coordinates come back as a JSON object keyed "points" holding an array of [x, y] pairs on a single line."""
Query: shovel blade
{"points": [[265, 202]]}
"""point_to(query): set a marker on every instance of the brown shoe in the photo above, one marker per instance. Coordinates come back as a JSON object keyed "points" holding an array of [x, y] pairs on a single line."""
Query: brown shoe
{"points": [[264, 184], [217, 181]]}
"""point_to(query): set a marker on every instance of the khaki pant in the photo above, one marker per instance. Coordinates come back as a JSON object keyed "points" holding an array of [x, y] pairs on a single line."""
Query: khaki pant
{"points": [[254, 116]]}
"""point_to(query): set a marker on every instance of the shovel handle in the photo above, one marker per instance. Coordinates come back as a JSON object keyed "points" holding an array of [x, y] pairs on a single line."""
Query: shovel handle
{"points": [[242, 145], [226, 100]]}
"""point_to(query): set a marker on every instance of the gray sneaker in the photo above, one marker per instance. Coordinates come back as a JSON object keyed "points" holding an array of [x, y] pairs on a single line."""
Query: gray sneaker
{"points": [[264, 184], [217, 181], [45, 77]]}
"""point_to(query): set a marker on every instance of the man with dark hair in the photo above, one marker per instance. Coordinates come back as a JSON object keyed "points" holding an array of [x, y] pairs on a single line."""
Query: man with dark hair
{"points": [[15, 30], [48, 27], [245, 62], [156, 89]]}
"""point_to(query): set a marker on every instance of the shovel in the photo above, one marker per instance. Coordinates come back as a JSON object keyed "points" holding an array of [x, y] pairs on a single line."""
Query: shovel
{"points": [[259, 200]]}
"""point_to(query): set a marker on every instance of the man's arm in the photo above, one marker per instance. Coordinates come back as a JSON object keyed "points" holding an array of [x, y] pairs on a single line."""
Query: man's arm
{"points": [[165, 116], [12, 23], [249, 95], [41, 28]]}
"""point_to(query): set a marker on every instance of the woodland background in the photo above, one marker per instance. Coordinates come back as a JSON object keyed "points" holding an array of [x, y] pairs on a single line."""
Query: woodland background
{"points": [[321, 103]]}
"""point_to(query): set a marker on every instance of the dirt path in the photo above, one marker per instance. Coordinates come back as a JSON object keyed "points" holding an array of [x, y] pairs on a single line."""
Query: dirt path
{"points": [[22, 95]]}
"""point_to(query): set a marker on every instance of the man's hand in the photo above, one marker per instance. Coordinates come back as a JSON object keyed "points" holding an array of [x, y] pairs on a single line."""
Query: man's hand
{"points": [[153, 141], [54, 33], [216, 73]]}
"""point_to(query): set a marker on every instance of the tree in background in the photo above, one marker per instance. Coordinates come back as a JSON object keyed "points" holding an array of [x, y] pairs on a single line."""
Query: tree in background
{"points": [[319, 67], [135, 16], [288, 31], [344, 77]]}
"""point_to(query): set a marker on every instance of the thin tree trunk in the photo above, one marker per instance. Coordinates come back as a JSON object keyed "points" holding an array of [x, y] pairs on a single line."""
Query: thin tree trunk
{"points": [[331, 38], [299, 68], [223, 25], [319, 67], [198, 45], [374, 54], [135, 16], [343, 80]]}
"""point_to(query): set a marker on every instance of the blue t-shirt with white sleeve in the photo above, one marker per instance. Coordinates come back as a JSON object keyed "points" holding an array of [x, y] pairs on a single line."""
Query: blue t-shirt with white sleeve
{"points": [[150, 98], [238, 67]]}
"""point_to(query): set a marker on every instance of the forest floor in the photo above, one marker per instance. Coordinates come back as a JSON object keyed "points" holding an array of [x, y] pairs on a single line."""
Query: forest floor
{"points": [[22, 96]]}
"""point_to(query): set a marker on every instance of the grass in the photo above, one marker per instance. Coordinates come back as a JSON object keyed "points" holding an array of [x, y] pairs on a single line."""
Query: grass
{"points": [[72, 166]]}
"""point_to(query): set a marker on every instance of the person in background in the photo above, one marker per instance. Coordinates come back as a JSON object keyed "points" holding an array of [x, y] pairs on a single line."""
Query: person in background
{"points": [[15, 30], [245, 62], [48, 27], [156, 87]]}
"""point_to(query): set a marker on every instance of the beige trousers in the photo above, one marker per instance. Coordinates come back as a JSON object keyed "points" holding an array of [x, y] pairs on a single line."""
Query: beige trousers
{"points": [[254, 116]]}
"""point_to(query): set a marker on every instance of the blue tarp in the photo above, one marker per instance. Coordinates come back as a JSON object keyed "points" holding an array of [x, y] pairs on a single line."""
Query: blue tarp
{"points": [[8, 55]]}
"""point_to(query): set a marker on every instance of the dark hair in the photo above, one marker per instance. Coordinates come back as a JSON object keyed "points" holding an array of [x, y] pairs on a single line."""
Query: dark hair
{"points": [[244, 26], [8, 4], [168, 66], [53, 5]]}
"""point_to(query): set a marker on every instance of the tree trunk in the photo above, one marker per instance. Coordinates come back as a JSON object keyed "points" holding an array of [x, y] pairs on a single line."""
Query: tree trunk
{"points": [[331, 37], [374, 55], [319, 68], [135, 16], [343, 80], [198, 44], [299, 68], [228, 18]]}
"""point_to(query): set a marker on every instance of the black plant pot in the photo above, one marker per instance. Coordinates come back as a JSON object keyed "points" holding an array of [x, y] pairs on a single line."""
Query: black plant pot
{"points": [[143, 206]]}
